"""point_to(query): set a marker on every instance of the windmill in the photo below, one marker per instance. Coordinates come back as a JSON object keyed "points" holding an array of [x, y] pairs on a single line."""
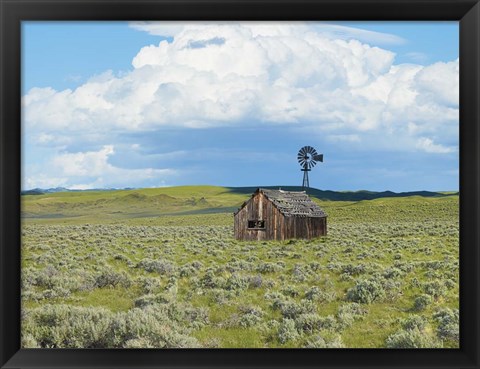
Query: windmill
{"points": [[308, 157]]}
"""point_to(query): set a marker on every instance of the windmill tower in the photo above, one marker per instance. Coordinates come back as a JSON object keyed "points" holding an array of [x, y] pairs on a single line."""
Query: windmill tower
{"points": [[308, 157]]}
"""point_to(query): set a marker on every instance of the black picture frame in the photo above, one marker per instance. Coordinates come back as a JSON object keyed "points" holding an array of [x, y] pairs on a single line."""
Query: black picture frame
{"points": [[12, 12]]}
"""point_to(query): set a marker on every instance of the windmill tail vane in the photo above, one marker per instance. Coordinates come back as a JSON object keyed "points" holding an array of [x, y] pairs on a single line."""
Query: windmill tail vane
{"points": [[308, 158]]}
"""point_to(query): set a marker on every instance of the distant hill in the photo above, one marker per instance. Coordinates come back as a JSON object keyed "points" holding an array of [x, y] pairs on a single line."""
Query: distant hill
{"points": [[344, 195], [42, 191], [148, 202], [319, 194]]}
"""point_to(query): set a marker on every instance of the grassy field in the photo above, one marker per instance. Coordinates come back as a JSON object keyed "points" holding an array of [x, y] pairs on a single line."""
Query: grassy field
{"points": [[160, 268]]}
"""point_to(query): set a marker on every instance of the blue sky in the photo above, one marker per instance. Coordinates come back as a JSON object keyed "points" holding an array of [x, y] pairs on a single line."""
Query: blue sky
{"points": [[163, 104]]}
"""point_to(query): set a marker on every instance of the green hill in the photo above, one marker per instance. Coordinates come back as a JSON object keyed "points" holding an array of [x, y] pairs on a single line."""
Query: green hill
{"points": [[184, 200], [131, 203], [327, 195]]}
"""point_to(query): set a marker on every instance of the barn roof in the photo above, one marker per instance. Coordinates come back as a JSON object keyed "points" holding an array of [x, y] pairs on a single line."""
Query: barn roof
{"points": [[291, 203]]}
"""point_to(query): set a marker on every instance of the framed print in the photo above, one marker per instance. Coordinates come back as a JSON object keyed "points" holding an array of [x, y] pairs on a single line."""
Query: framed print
{"points": [[240, 184]]}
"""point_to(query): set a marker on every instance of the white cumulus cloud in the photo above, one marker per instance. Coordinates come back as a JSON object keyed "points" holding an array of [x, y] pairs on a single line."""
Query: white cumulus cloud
{"points": [[323, 77], [427, 145], [92, 169]]}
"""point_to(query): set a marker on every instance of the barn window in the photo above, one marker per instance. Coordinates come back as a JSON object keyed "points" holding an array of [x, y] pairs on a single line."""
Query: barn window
{"points": [[256, 224]]}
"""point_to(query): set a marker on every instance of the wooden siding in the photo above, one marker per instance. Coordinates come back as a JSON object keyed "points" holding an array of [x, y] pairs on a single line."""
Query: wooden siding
{"points": [[277, 226], [259, 208], [305, 227]]}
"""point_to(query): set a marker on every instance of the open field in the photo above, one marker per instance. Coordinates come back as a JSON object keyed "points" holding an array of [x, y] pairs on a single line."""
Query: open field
{"points": [[160, 268]]}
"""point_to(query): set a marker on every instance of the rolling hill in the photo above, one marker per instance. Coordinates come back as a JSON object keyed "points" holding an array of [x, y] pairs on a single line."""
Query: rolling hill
{"points": [[149, 202]]}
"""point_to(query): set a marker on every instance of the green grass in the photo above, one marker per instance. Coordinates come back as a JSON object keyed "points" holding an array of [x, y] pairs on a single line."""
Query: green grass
{"points": [[173, 249], [130, 203]]}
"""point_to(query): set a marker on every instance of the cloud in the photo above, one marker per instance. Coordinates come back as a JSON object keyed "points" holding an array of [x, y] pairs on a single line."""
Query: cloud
{"points": [[328, 30], [323, 78], [93, 163], [40, 180], [166, 29], [427, 145], [438, 83], [44, 138], [92, 169], [335, 31]]}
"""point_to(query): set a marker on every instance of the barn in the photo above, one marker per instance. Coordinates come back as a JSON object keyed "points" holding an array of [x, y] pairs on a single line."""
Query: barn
{"points": [[279, 215]]}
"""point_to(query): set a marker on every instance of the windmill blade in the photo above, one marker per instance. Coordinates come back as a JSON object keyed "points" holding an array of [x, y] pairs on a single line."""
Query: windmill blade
{"points": [[308, 157], [311, 150]]}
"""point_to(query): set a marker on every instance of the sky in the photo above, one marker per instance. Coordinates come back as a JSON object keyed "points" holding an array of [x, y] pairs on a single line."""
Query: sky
{"points": [[153, 104]]}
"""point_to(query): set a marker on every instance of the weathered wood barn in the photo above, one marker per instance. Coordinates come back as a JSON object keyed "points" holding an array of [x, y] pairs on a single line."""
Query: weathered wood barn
{"points": [[279, 215]]}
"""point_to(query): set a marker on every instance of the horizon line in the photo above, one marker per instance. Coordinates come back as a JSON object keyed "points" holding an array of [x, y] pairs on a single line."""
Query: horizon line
{"points": [[59, 188]]}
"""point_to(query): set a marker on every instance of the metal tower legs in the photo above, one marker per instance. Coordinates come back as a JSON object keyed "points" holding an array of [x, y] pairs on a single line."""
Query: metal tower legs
{"points": [[305, 184]]}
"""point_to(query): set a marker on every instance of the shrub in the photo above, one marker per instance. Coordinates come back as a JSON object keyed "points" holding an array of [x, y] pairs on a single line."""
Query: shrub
{"points": [[366, 291], [435, 288], [273, 296], [300, 273], [221, 296], [138, 343], [269, 329], [350, 312], [152, 299], [287, 331], [291, 309], [311, 322], [316, 294], [120, 257], [63, 326], [196, 317], [353, 270], [46, 277], [249, 316], [450, 283], [392, 273], [249, 320], [188, 270], [413, 338], [149, 285], [28, 341], [163, 267], [237, 283], [255, 281], [156, 324], [321, 342], [290, 291], [414, 322], [392, 288], [448, 327], [421, 302], [240, 265], [269, 268], [110, 278], [211, 280]]}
